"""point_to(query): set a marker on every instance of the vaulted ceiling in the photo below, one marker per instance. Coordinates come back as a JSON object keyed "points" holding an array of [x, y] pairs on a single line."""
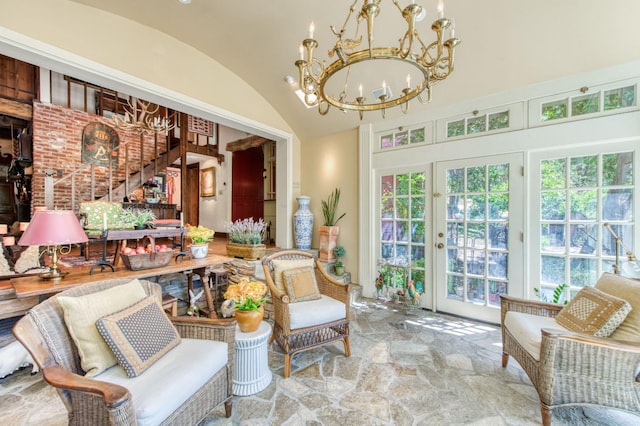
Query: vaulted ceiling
{"points": [[506, 44]]}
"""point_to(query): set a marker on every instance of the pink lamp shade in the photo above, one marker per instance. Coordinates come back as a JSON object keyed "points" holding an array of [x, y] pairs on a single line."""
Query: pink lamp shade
{"points": [[53, 227]]}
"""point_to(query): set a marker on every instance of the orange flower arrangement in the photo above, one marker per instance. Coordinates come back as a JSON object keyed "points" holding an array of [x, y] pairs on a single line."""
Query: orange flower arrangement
{"points": [[247, 295]]}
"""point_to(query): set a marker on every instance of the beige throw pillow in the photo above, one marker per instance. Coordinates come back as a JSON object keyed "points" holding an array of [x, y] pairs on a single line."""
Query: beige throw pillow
{"points": [[301, 284], [81, 314], [629, 290], [281, 265], [139, 335], [593, 312]]}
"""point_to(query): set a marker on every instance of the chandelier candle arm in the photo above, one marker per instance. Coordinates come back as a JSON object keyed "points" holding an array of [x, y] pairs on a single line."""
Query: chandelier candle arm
{"points": [[434, 62]]}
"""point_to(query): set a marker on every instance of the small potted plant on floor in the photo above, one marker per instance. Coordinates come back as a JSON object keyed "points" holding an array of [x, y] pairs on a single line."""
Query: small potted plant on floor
{"points": [[245, 239], [339, 253], [200, 237]]}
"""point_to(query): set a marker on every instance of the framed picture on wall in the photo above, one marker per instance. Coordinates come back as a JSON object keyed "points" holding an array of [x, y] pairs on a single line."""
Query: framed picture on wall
{"points": [[208, 182]]}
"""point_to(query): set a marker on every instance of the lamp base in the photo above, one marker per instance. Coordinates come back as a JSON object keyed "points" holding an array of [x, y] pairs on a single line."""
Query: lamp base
{"points": [[53, 274]]}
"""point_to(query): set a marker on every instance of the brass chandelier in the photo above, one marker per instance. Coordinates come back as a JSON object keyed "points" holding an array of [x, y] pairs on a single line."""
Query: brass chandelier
{"points": [[433, 62]]}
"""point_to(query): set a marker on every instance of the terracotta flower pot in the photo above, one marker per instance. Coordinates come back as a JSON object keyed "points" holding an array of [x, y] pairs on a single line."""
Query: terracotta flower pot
{"points": [[249, 321]]}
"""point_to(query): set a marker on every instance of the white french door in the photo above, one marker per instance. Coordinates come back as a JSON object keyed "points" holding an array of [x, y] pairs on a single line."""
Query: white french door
{"points": [[478, 234]]}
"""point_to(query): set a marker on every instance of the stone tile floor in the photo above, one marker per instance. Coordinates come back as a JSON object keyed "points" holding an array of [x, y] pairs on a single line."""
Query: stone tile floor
{"points": [[406, 368]]}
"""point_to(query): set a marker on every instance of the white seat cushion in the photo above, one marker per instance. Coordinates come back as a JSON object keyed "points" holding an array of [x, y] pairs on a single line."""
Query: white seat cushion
{"points": [[526, 329], [314, 312], [168, 383]]}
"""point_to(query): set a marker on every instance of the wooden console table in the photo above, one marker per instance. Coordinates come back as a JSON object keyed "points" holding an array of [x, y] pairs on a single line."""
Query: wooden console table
{"points": [[35, 286]]}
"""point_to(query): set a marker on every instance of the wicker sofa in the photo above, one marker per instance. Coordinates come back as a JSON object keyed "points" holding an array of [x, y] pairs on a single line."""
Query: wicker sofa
{"points": [[180, 387], [569, 368]]}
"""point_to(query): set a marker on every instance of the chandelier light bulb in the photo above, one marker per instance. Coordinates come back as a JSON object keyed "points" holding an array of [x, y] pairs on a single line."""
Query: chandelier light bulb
{"points": [[440, 9], [312, 28]]}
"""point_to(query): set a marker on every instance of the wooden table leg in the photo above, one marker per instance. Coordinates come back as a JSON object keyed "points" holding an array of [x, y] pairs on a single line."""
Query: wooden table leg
{"points": [[204, 277]]}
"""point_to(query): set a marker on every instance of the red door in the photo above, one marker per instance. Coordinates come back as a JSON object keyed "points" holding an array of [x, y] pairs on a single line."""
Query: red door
{"points": [[247, 188]]}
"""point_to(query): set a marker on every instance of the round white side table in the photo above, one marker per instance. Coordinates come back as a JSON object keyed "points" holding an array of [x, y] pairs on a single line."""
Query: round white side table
{"points": [[251, 372]]}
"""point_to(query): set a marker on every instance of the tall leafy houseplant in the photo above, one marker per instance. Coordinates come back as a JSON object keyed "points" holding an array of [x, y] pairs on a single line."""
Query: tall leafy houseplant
{"points": [[329, 230]]}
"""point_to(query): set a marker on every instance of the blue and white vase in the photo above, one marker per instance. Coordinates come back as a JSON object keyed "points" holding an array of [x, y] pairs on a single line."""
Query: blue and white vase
{"points": [[303, 223]]}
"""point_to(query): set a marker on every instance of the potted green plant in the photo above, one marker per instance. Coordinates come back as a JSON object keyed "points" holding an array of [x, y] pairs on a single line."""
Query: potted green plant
{"points": [[200, 237], [329, 230], [138, 218], [248, 297], [339, 253], [245, 238]]}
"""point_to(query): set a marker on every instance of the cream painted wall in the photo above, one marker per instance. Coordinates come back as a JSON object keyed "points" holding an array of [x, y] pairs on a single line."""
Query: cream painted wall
{"points": [[330, 163]]}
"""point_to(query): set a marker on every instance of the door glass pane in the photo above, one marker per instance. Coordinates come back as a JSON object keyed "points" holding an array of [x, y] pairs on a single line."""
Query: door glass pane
{"points": [[584, 204], [475, 179], [617, 169], [476, 207], [498, 235], [498, 205], [455, 180], [417, 207], [553, 205], [553, 174], [584, 171]]}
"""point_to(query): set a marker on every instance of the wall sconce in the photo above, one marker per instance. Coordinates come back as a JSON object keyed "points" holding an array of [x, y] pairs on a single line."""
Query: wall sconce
{"points": [[631, 267]]}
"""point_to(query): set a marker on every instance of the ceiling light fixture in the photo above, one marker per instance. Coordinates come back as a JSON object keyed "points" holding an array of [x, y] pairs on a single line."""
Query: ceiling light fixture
{"points": [[433, 62]]}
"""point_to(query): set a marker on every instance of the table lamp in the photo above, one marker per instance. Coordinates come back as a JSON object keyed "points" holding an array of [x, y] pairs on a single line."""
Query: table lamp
{"points": [[53, 228], [631, 267]]}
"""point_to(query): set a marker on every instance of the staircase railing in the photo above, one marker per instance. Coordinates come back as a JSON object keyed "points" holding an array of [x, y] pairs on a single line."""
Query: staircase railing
{"points": [[119, 191]]}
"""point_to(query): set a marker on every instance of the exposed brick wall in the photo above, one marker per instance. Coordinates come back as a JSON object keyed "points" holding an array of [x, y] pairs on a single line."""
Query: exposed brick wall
{"points": [[57, 145]]}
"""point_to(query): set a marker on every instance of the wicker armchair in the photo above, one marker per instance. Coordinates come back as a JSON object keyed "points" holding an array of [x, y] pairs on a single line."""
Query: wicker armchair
{"points": [[293, 341], [573, 368], [91, 401]]}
